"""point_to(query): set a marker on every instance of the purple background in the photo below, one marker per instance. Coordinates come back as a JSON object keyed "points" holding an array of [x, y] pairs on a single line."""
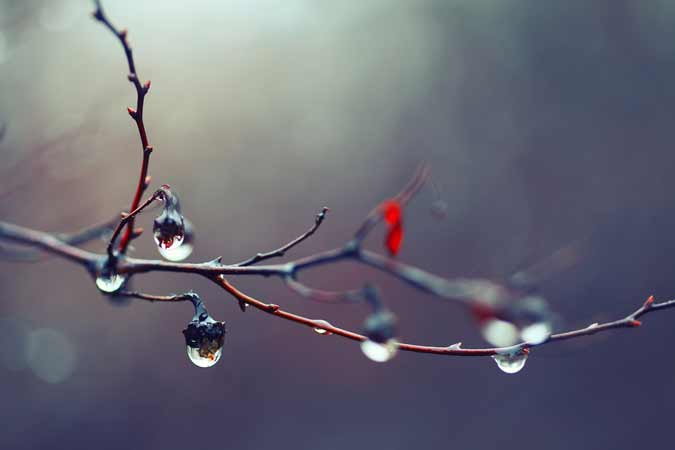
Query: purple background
{"points": [[546, 123]]}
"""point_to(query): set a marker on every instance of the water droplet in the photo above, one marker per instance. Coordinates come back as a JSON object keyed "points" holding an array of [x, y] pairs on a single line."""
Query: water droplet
{"points": [[176, 253], [321, 331], [204, 339], [110, 282], [180, 251], [499, 332], [379, 352], [168, 242], [536, 333], [203, 360], [511, 362]]}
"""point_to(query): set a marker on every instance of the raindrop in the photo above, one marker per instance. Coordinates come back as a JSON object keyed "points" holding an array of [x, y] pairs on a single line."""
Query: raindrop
{"points": [[204, 339], [321, 331], [176, 253], [536, 333], [183, 249], [499, 332], [379, 352], [511, 362], [50, 355], [206, 360], [168, 242], [110, 282]]}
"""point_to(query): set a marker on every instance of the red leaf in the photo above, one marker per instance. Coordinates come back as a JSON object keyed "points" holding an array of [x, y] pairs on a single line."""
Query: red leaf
{"points": [[395, 238], [391, 211]]}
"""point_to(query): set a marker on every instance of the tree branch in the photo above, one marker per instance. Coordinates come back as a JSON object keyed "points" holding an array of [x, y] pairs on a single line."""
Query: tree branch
{"points": [[136, 115]]}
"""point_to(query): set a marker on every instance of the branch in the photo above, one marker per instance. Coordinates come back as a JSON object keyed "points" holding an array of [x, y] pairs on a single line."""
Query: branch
{"points": [[136, 115], [281, 251], [214, 271]]}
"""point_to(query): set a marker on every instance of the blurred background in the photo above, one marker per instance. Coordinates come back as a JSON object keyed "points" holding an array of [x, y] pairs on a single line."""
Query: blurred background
{"points": [[548, 124]]}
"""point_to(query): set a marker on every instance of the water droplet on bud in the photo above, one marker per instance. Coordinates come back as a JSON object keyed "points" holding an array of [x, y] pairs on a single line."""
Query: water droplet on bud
{"points": [[200, 360], [110, 282], [182, 250], [536, 333], [379, 352], [499, 333], [168, 242], [204, 339], [321, 331], [511, 362]]}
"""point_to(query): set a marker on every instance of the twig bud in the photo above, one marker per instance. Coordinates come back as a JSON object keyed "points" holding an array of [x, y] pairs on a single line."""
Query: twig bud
{"points": [[132, 112], [648, 302]]}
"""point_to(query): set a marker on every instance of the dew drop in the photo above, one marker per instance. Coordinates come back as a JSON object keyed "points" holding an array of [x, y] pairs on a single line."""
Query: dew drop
{"points": [[536, 333], [176, 253], [511, 362], [110, 282], [203, 361], [168, 242], [321, 331], [499, 333], [379, 352]]}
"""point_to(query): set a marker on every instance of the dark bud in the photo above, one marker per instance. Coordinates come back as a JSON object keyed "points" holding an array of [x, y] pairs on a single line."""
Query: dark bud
{"points": [[380, 326]]}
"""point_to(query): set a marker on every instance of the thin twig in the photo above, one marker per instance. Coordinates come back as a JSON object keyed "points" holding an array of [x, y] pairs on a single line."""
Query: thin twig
{"points": [[136, 115], [281, 251]]}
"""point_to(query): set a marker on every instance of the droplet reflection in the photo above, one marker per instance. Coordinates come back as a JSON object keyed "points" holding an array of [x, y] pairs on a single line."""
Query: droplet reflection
{"points": [[511, 362], [50, 355], [110, 282], [379, 352]]}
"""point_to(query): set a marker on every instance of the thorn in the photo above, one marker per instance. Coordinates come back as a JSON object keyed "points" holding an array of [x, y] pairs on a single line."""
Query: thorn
{"points": [[123, 34], [98, 14], [242, 305], [132, 112], [634, 323], [149, 149], [272, 307], [456, 346], [648, 302]]}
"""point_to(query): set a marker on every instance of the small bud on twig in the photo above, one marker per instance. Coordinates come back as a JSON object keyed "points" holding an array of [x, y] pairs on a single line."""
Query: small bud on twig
{"points": [[634, 323], [648, 302], [132, 112]]}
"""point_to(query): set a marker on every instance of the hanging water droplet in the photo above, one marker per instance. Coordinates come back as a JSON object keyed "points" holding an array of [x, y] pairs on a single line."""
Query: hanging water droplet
{"points": [[321, 331], [110, 282], [511, 362], [204, 339], [168, 229], [167, 242], [176, 253], [379, 352], [200, 360], [180, 251], [536, 333], [499, 333]]}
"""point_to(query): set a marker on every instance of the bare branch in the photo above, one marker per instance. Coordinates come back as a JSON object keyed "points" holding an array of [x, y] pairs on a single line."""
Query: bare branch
{"points": [[136, 115], [281, 251]]}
